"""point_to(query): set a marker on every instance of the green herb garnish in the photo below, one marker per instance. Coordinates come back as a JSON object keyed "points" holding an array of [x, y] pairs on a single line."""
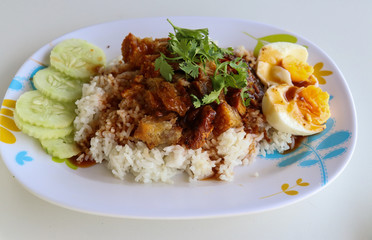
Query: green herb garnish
{"points": [[163, 66], [192, 49]]}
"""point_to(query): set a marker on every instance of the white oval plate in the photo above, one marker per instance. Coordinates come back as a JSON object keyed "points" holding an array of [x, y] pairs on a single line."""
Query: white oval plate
{"points": [[282, 180]]}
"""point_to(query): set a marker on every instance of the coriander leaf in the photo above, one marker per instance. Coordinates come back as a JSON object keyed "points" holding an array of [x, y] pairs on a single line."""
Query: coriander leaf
{"points": [[239, 65], [247, 102], [238, 80], [196, 101], [218, 81], [214, 52], [180, 48], [189, 33], [193, 49], [245, 96], [190, 68], [165, 69], [213, 96], [222, 67], [228, 50]]}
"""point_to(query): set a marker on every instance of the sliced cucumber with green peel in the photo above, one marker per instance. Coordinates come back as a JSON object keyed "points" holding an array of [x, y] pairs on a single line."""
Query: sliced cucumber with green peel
{"points": [[41, 132], [57, 85], [36, 109], [61, 147], [77, 58]]}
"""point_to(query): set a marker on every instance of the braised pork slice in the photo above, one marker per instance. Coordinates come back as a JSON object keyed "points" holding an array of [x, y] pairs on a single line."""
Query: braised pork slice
{"points": [[134, 49], [173, 97], [233, 97], [227, 117], [156, 131], [202, 85], [141, 53], [202, 127]]}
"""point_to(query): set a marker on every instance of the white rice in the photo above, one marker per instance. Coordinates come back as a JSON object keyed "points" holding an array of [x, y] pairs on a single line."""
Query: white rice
{"points": [[161, 164], [88, 108], [280, 141]]}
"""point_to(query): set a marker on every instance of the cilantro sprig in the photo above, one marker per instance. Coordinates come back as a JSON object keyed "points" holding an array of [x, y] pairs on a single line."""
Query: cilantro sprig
{"points": [[192, 49]]}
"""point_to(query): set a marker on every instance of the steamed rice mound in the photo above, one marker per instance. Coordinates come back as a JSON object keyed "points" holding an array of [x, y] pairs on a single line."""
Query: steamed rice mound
{"points": [[105, 132]]}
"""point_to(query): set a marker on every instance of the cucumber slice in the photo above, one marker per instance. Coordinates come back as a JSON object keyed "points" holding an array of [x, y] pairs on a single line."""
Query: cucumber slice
{"points": [[57, 85], [41, 132], [36, 109], [77, 58], [61, 147]]}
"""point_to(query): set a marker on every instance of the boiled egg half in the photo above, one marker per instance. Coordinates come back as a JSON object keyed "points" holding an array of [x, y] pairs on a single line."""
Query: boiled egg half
{"points": [[284, 63], [296, 110]]}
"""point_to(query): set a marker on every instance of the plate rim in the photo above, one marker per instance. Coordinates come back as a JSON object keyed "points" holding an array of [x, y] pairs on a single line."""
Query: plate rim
{"points": [[348, 158]]}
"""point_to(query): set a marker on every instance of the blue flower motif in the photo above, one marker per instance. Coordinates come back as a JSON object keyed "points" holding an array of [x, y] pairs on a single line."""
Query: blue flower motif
{"points": [[316, 149], [17, 83], [22, 157]]}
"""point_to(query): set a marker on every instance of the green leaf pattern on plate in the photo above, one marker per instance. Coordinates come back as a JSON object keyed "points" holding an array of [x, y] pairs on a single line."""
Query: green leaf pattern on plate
{"points": [[67, 161], [270, 39]]}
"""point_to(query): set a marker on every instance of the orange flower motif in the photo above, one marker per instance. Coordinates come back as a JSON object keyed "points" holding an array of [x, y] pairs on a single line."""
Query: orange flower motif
{"points": [[319, 73], [7, 123], [287, 189]]}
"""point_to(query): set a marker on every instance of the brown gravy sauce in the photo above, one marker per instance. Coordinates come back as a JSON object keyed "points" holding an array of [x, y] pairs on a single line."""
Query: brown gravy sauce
{"points": [[215, 176], [302, 84], [83, 164], [296, 142], [291, 93]]}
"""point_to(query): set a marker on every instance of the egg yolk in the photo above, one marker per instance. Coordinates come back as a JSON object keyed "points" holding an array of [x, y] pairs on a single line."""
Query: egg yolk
{"points": [[313, 104], [300, 71]]}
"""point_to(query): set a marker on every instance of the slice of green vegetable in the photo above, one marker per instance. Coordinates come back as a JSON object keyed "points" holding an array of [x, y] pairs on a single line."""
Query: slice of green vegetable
{"points": [[36, 109], [77, 58], [41, 132], [61, 147], [57, 85]]}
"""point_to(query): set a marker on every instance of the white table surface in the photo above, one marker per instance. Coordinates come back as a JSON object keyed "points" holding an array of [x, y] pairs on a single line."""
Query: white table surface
{"points": [[343, 210]]}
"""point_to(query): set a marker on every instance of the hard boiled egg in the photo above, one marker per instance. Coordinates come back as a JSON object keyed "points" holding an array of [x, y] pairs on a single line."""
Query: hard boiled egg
{"points": [[296, 110], [284, 63]]}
